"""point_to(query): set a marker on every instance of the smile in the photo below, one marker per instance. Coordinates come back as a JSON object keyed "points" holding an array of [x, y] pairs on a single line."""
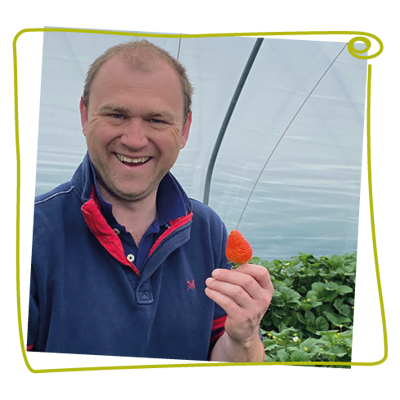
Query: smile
{"points": [[132, 160]]}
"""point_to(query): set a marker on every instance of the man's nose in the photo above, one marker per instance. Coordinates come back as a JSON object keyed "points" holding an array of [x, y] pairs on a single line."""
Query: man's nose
{"points": [[134, 134]]}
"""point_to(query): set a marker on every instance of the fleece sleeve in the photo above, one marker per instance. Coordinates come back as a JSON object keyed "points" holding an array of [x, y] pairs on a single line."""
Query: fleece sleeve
{"points": [[33, 321], [218, 327]]}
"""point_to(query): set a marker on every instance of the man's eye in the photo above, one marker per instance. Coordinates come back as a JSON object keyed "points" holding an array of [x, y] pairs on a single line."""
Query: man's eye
{"points": [[157, 121], [117, 116]]}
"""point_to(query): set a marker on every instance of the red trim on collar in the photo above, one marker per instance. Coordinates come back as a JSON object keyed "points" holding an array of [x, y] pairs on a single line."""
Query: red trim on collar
{"points": [[103, 232], [174, 225]]}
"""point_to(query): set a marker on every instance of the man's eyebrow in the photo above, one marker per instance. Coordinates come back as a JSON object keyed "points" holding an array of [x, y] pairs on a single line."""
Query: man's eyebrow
{"points": [[123, 110], [160, 114], [113, 108]]}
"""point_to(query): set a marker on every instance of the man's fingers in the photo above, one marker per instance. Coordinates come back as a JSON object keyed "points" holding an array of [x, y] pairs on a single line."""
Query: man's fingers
{"points": [[237, 293], [247, 275]]}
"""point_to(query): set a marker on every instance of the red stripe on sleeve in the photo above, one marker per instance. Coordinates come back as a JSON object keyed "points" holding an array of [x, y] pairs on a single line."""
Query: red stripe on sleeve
{"points": [[216, 337], [29, 348], [219, 323]]}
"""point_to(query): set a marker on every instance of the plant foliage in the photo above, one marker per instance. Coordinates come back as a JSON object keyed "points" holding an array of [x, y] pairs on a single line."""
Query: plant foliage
{"points": [[310, 317]]}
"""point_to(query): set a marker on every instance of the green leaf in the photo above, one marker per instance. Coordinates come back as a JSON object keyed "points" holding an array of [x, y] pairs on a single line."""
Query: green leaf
{"points": [[269, 344], [292, 270], [288, 282], [284, 295], [329, 296], [283, 355], [337, 320], [302, 289], [321, 324], [277, 300], [338, 304], [291, 294], [305, 306], [327, 307], [342, 308], [299, 355], [336, 261], [315, 300], [310, 317], [318, 288], [348, 270], [276, 320], [301, 318], [264, 263], [332, 318], [287, 331], [352, 301], [311, 344], [346, 310], [328, 334], [339, 351], [343, 289], [282, 328], [331, 286]]}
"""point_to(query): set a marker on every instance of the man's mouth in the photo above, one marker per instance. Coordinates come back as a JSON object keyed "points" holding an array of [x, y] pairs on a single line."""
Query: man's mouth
{"points": [[132, 161]]}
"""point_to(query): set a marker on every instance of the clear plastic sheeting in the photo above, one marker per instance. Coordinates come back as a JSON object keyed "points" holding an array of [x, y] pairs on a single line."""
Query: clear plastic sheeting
{"points": [[307, 199]]}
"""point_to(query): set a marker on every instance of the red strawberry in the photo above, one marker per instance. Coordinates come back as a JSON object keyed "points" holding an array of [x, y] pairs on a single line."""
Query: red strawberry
{"points": [[238, 249]]}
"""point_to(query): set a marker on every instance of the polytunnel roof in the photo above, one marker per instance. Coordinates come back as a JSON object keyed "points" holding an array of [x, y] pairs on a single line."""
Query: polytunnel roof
{"points": [[307, 198]]}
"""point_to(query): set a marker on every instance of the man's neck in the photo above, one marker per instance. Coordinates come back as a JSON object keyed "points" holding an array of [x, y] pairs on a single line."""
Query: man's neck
{"points": [[136, 216]]}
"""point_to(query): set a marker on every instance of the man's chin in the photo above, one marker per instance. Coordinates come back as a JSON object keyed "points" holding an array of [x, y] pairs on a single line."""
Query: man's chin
{"points": [[128, 196]]}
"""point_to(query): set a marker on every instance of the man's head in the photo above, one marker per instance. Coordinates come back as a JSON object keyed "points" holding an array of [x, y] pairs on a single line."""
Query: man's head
{"points": [[136, 117], [143, 56]]}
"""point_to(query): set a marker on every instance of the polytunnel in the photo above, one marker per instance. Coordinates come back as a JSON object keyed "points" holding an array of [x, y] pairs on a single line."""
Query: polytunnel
{"points": [[290, 152]]}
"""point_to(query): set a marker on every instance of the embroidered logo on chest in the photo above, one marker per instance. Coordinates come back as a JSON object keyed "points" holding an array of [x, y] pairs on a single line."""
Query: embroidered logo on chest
{"points": [[190, 284]]}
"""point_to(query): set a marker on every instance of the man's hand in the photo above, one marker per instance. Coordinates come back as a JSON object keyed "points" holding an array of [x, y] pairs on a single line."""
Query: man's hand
{"points": [[244, 294]]}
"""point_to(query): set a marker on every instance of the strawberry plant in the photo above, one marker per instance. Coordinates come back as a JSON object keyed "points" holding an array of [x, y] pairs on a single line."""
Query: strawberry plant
{"points": [[310, 317]]}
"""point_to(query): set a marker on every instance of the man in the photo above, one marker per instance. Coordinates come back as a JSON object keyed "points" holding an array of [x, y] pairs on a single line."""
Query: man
{"points": [[123, 262]]}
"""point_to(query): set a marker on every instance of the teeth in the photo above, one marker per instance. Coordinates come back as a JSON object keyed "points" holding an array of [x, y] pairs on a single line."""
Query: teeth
{"points": [[132, 160]]}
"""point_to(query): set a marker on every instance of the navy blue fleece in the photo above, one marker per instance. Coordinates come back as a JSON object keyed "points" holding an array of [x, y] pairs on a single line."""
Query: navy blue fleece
{"points": [[86, 298]]}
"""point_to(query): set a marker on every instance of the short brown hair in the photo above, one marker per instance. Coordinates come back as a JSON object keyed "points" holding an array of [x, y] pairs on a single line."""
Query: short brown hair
{"points": [[142, 55]]}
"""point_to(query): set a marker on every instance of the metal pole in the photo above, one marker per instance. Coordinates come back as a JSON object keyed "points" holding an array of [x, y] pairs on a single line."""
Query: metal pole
{"points": [[227, 118]]}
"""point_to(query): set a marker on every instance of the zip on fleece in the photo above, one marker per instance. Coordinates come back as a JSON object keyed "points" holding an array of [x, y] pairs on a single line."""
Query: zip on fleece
{"points": [[173, 226]]}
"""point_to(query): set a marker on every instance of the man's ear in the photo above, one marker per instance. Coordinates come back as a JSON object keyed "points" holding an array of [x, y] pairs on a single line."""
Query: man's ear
{"points": [[185, 130], [84, 115]]}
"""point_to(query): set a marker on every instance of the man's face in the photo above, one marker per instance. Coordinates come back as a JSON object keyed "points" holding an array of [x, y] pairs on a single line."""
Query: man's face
{"points": [[134, 127]]}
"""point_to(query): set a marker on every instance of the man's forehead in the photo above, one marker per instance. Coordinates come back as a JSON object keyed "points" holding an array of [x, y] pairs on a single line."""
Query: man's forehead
{"points": [[112, 70], [137, 63], [116, 71]]}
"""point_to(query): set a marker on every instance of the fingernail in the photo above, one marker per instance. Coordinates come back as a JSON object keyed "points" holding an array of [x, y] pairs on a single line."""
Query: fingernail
{"points": [[215, 273]]}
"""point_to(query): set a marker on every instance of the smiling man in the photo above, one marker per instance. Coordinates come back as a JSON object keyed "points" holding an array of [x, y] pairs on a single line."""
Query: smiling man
{"points": [[123, 262]]}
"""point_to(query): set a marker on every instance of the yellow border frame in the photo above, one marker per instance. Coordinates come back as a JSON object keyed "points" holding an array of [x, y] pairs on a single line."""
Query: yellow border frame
{"points": [[222, 380]]}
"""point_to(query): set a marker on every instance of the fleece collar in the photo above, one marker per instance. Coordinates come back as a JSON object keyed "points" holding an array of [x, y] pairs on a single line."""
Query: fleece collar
{"points": [[170, 204], [99, 226]]}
